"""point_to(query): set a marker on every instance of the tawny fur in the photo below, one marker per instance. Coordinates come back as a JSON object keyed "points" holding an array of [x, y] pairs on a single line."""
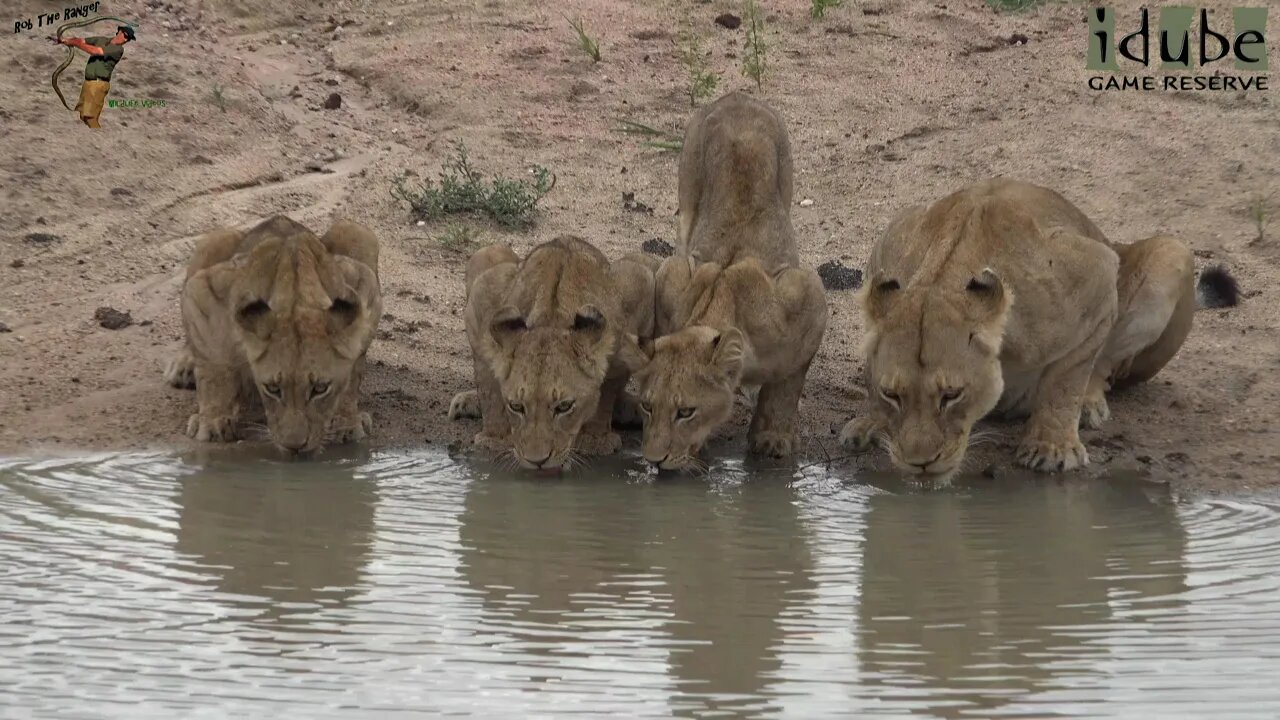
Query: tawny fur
{"points": [[554, 339], [734, 306], [278, 314], [1004, 296]]}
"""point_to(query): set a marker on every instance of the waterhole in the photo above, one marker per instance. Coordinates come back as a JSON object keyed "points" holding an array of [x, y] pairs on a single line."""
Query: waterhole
{"points": [[407, 585]]}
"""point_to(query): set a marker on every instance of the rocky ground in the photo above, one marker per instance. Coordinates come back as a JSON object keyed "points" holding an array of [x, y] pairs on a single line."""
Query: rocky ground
{"points": [[889, 102]]}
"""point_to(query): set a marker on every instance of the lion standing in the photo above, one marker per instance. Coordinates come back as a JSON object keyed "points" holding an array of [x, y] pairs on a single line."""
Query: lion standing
{"points": [[738, 307]]}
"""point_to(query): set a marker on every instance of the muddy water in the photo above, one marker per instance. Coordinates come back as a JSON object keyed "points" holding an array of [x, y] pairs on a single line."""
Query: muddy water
{"points": [[149, 587]]}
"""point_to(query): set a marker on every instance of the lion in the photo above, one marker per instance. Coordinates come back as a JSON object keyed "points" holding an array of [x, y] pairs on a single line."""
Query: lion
{"points": [[277, 313], [734, 306], [1004, 297], [554, 339]]}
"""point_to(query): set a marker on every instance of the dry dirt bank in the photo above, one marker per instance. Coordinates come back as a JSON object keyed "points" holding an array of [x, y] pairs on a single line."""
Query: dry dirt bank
{"points": [[888, 102]]}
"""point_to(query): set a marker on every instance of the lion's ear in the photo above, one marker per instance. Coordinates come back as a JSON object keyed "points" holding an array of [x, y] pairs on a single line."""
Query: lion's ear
{"points": [[343, 312], [986, 303], [506, 325], [727, 351], [986, 297], [880, 294], [589, 323], [253, 315]]}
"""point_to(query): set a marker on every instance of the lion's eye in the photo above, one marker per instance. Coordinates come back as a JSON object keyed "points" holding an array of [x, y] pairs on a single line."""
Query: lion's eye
{"points": [[318, 389], [685, 413], [950, 396], [516, 408], [564, 407], [271, 389]]}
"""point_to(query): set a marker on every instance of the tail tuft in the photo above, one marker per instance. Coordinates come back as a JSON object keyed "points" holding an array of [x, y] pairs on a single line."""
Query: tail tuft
{"points": [[1217, 288]]}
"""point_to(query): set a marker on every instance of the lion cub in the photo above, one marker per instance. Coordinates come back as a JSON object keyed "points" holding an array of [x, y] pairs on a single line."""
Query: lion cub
{"points": [[738, 307], [1004, 296], [554, 340], [278, 313]]}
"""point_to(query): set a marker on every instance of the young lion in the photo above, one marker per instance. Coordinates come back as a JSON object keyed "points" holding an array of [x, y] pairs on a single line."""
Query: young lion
{"points": [[1004, 296], [278, 313], [738, 307], [554, 340]]}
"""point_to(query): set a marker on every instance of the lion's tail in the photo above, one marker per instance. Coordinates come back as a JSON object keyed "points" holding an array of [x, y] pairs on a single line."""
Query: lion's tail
{"points": [[1216, 288]]}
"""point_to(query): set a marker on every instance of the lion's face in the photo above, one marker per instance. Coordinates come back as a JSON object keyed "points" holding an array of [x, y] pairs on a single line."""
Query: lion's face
{"points": [[550, 380], [933, 369], [303, 324], [686, 392], [300, 379]]}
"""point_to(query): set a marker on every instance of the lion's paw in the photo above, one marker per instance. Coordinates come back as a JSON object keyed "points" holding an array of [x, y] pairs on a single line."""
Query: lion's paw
{"points": [[465, 404], [772, 443], [859, 434], [492, 443], [180, 372], [598, 443], [1094, 412], [353, 428], [1052, 456], [215, 429]]}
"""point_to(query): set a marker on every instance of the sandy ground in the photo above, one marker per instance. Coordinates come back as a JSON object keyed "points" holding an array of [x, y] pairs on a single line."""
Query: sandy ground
{"points": [[888, 103]]}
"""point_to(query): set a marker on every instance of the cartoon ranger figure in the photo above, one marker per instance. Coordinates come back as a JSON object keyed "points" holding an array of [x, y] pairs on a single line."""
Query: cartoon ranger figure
{"points": [[104, 53]]}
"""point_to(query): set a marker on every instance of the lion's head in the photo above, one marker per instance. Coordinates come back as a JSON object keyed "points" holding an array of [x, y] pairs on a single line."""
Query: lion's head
{"points": [[933, 366], [550, 378], [686, 392], [304, 318]]}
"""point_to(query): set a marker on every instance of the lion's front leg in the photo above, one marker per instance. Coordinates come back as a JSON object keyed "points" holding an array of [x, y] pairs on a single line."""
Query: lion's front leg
{"points": [[773, 425], [597, 436], [1052, 439], [218, 398], [349, 424], [495, 424]]}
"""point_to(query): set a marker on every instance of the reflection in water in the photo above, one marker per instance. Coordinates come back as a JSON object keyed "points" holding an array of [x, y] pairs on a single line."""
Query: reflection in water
{"points": [[705, 573], [975, 595], [298, 541], [409, 585]]}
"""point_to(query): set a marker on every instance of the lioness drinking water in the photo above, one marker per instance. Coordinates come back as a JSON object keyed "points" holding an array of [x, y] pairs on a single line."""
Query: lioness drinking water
{"points": [[1004, 296], [738, 307], [554, 340], [282, 315]]}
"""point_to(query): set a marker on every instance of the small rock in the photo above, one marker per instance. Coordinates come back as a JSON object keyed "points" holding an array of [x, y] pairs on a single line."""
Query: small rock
{"points": [[112, 319], [42, 238], [333, 102], [835, 276], [201, 160], [121, 192], [1018, 39], [659, 247], [807, 202], [5, 328], [729, 20], [629, 202], [331, 81], [17, 263]]}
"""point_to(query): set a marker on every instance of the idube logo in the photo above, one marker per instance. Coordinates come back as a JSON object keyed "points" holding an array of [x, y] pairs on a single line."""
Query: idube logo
{"points": [[1181, 66]]}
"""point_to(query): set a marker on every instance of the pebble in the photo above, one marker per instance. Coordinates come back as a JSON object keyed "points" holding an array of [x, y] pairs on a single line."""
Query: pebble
{"points": [[807, 202]]}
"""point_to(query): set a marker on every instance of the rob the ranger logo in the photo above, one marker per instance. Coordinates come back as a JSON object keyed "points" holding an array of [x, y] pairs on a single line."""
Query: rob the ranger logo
{"points": [[1245, 44]]}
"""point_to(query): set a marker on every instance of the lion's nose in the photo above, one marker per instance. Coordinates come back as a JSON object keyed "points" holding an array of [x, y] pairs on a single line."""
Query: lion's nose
{"points": [[657, 464], [925, 465], [539, 463]]}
